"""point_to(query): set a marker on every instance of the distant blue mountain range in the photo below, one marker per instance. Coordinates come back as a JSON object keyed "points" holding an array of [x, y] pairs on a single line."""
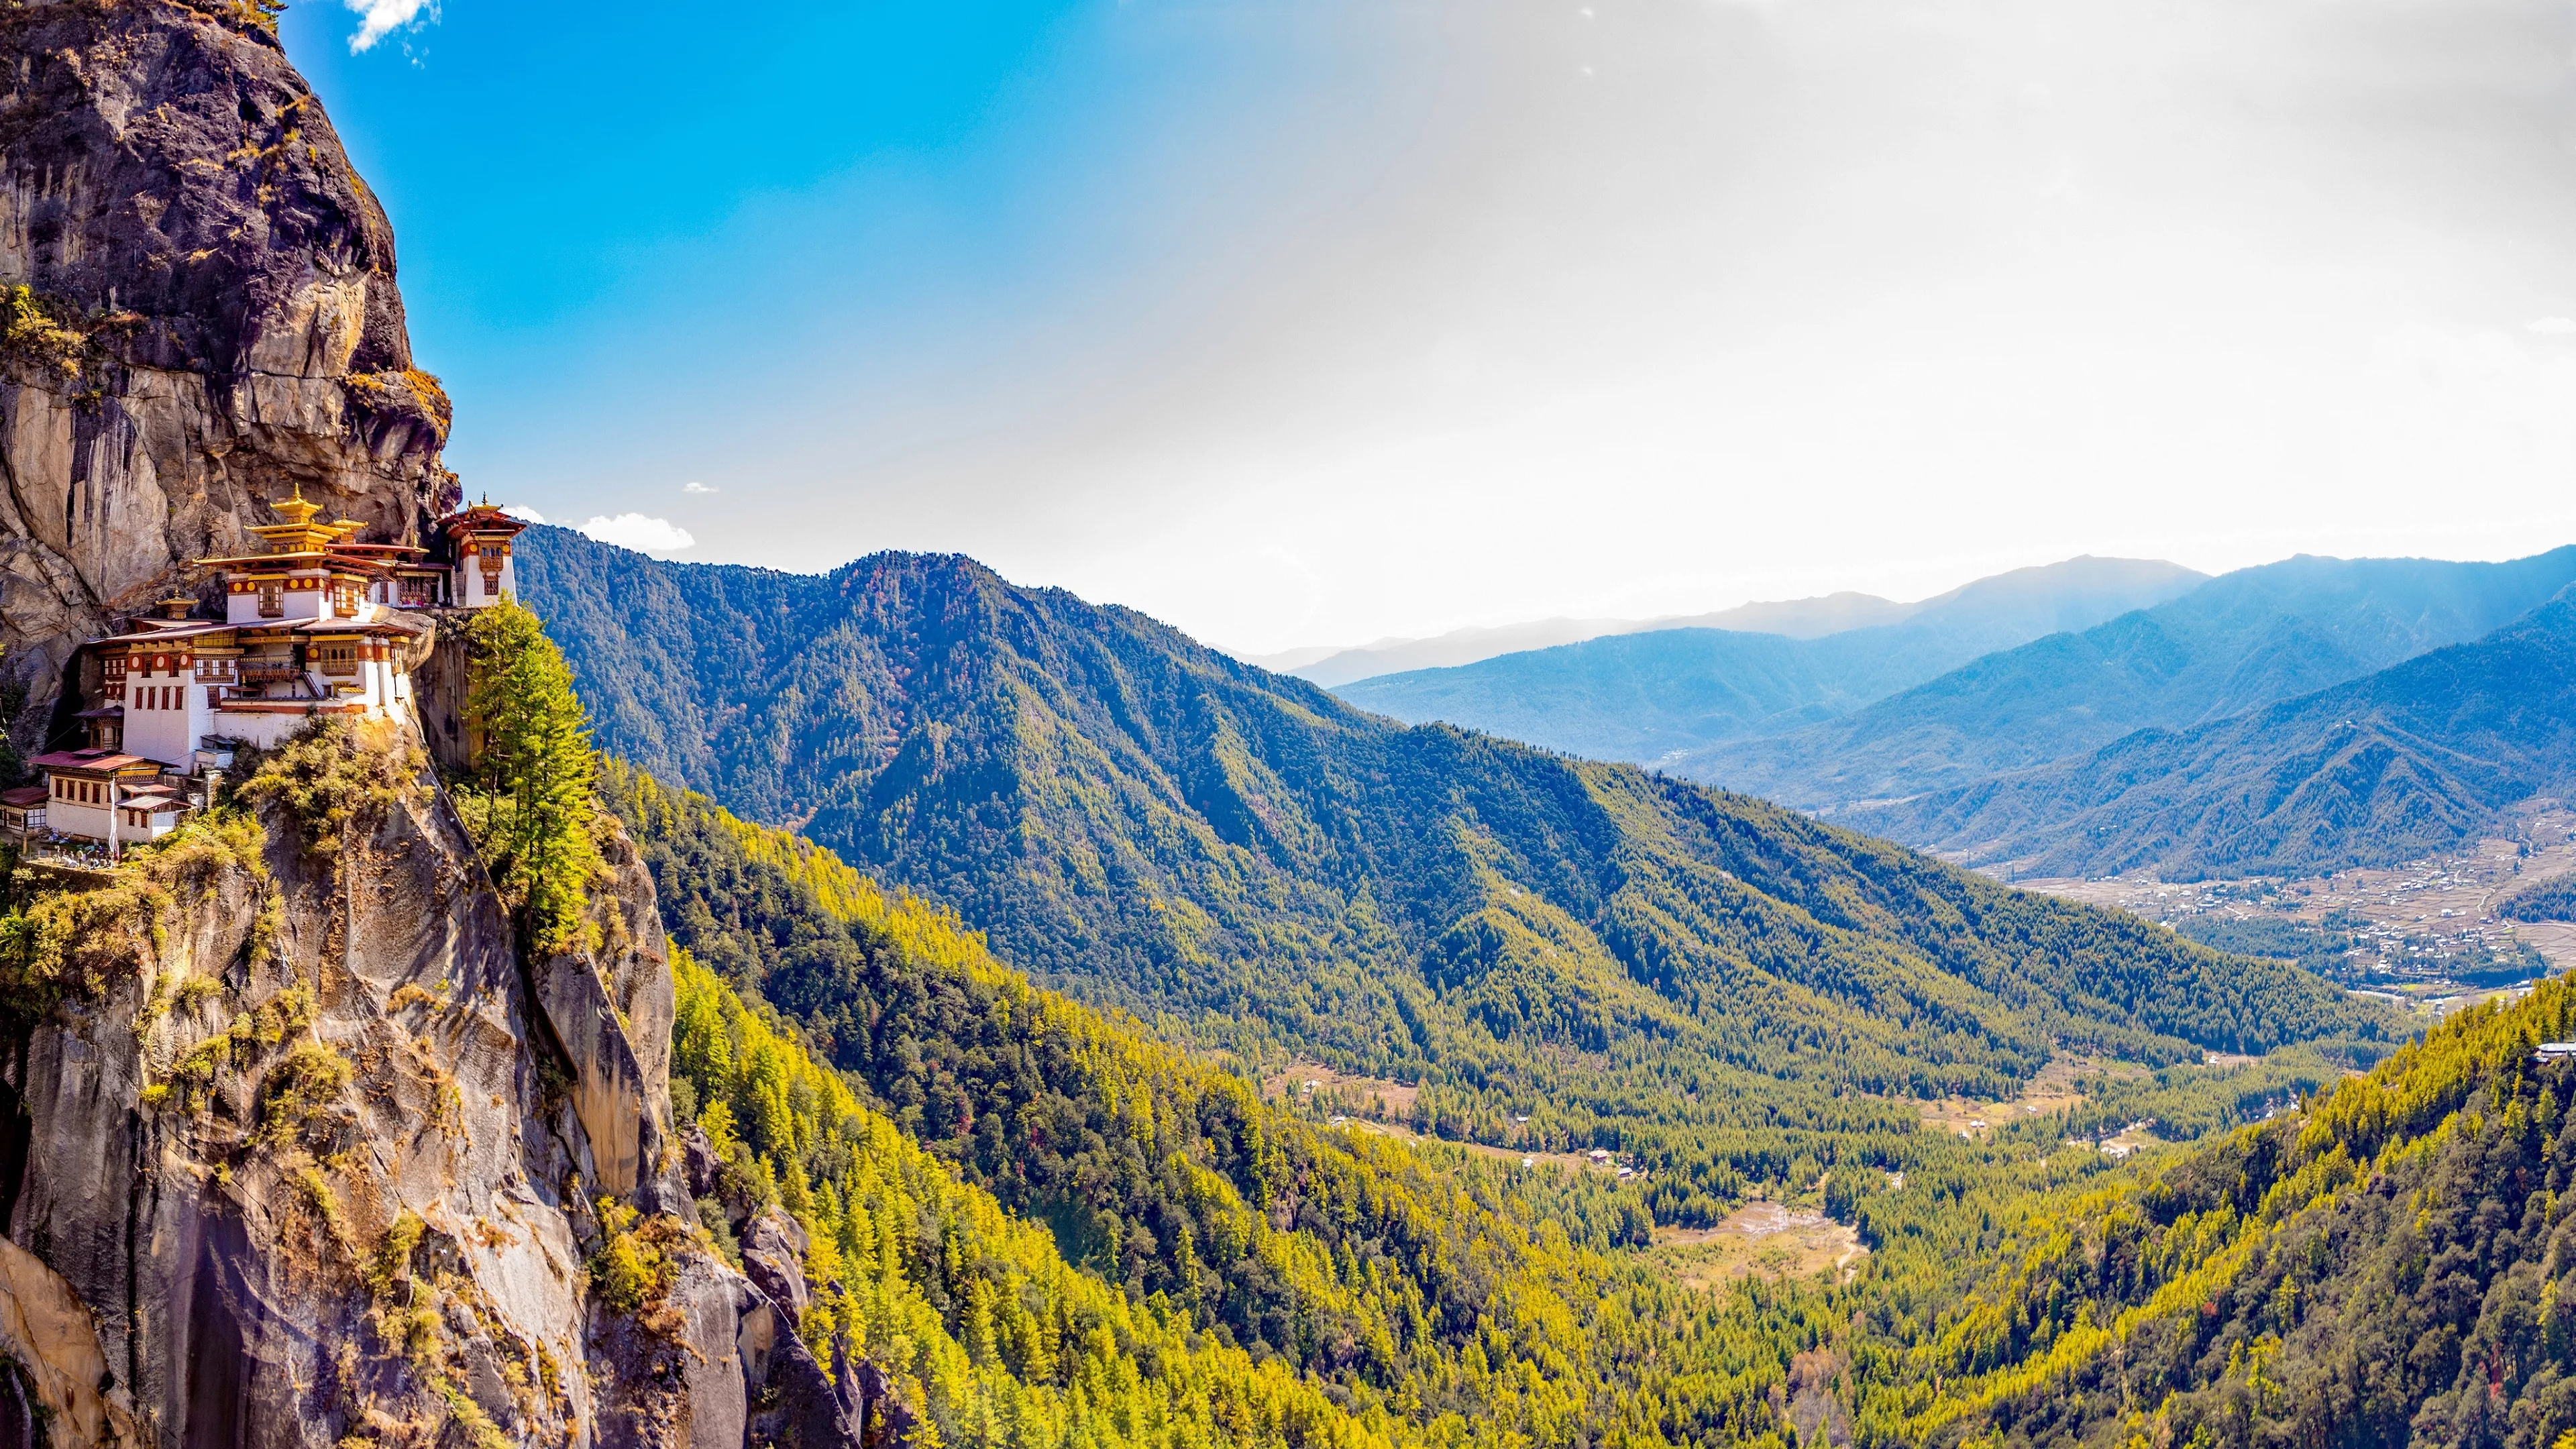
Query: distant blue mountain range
{"points": [[2301, 716], [2239, 642], [2382, 769], [1645, 695]]}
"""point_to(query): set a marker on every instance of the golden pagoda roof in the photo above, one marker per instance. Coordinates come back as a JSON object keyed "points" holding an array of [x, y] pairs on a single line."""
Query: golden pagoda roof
{"points": [[300, 532]]}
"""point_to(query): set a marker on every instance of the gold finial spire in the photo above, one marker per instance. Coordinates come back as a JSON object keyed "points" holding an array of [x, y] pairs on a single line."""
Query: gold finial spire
{"points": [[295, 530]]}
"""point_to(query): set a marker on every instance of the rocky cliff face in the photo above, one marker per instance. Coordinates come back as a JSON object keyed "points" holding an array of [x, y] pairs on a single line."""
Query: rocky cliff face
{"points": [[295, 1151], [208, 318]]}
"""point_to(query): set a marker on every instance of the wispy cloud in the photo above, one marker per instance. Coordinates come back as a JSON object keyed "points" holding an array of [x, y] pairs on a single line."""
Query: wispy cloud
{"points": [[694, 486], [380, 18], [640, 531], [523, 511], [2551, 326]]}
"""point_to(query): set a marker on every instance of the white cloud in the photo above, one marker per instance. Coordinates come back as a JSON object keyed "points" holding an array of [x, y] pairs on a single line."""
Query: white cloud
{"points": [[639, 531], [523, 511], [380, 18], [694, 486], [2552, 326]]}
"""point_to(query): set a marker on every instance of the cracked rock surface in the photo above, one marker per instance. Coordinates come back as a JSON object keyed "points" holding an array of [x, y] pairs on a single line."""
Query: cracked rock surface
{"points": [[297, 1158]]}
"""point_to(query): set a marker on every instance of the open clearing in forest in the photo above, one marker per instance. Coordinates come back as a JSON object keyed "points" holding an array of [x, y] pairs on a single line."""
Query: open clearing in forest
{"points": [[1761, 1239], [2053, 1090], [1373, 1097], [1372, 1105]]}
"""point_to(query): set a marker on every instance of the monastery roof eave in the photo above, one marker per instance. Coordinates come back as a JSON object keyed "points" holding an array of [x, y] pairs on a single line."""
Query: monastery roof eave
{"points": [[358, 626], [481, 516], [93, 762], [290, 706], [194, 629], [309, 558]]}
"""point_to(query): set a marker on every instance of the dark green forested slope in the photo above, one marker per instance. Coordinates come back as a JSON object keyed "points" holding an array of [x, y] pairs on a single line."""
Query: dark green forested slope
{"points": [[1644, 696], [1153, 825], [2553, 899], [2385, 769], [2237, 643]]}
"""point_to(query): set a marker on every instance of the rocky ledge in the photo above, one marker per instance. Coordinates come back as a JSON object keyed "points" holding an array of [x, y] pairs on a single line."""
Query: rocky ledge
{"points": [[296, 1150]]}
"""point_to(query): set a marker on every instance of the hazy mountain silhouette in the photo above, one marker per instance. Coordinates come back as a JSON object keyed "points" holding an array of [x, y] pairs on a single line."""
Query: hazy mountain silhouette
{"points": [[2065, 595], [2384, 769], [2237, 643], [1643, 696]]}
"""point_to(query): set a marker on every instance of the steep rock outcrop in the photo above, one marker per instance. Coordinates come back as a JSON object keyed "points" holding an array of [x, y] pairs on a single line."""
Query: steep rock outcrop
{"points": [[209, 318], [610, 1012], [298, 1161]]}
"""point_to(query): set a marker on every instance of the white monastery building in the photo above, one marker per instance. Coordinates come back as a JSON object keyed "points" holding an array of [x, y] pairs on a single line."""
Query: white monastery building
{"points": [[319, 625]]}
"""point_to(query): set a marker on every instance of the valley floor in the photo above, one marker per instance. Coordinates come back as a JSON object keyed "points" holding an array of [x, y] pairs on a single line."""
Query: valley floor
{"points": [[2423, 921]]}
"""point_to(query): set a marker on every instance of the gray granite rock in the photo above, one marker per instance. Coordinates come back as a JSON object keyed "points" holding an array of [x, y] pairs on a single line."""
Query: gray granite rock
{"points": [[174, 198]]}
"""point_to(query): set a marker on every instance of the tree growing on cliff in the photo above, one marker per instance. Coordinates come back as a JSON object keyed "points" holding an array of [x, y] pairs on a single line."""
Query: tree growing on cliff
{"points": [[529, 800]]}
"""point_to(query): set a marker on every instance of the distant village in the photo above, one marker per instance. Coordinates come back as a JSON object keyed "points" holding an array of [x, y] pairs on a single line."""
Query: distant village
{"points": [[321, 624]]}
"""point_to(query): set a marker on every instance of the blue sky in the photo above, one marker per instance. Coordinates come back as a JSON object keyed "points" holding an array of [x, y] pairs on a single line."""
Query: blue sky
{"points": [[1303, 321]]}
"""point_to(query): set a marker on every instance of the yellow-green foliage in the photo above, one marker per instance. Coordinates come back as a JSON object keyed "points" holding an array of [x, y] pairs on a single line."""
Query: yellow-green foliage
{"points": [[1004, 1341], [2012, 1282], [529, 803], [1436, 1296], [301, 1087], [631, 1271], [975, 1312], [77, 943], [33, 329], [2134, 1283], [333, 777], [305, 1082], [194, 991], [390, 1263]]}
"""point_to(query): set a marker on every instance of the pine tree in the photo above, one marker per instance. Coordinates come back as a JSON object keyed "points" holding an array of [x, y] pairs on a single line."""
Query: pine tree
{"points": [[535, 768]]}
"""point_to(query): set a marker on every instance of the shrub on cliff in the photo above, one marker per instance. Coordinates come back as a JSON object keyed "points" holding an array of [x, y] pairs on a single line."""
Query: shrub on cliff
{"points": [[528, 797], [331, 778]]}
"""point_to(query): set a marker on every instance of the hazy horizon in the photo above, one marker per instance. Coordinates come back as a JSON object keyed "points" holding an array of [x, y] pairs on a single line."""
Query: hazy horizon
{"points": [[1293, 324]]}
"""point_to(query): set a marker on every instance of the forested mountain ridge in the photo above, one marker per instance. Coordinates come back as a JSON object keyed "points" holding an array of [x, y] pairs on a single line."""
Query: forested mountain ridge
{"points": [[2389, 1266], [2241, 641], [1149, 824], [2384, 1266], [2385, 769]]}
